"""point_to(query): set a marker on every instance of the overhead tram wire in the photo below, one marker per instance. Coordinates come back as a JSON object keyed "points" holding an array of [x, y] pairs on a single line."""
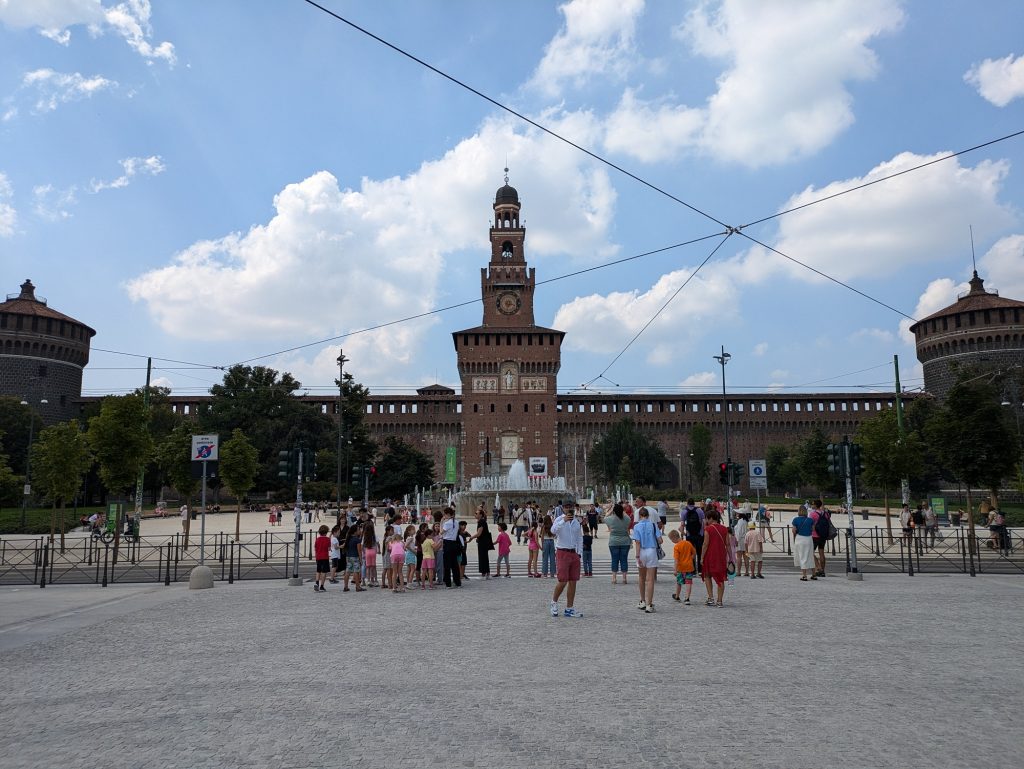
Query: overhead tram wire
{"points": [[886, 178], [439, 310], [644, 182], [168, 360], [675, 293], [513, 112]]}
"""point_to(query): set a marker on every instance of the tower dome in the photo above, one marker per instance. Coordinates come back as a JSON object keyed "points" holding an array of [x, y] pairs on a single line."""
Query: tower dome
{"points": [[506, 195], [981, 327], [42, 355]]}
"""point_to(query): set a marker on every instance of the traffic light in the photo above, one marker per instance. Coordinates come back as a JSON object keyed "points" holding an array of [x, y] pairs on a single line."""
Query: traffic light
{"points": [[737, 473], [723, 473], [835, 459], [284, 464], [357, 474], [856, 468], [373, 473]]}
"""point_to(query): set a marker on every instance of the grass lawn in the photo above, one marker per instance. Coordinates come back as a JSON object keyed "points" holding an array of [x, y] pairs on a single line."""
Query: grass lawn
{"points": [[37, 519]]}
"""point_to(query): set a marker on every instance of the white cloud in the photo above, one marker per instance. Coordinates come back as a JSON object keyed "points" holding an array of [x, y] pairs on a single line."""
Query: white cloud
{"points": [[873, 335], [940, 293], [605, 323], [55, 88], [53, 203], [54, 18], [8, 216], [151, 166], [162, 381], [1003, 267], [784, 94], [879, 230], [702, 379], [596, 40], [760, 349], [335, 259], [1000, 81]]}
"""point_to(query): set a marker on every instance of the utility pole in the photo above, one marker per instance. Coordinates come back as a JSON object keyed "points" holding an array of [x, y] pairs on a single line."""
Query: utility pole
{"points": [[297, 515], [723, 359], [904, 483], [142, 469], [848, 465], [342, 360]]}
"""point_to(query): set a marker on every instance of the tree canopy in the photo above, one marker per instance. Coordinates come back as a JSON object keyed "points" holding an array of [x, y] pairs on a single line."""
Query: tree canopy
{"points": [[400, 468], [647, 460], [119, 438]]}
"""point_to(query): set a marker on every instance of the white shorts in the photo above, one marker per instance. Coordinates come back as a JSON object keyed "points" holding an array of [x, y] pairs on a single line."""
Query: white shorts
{"points": [[648, 558]]}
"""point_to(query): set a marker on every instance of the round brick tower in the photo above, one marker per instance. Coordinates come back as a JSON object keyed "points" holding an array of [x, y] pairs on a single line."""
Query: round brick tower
{"points": [[980, 328], [42, 355]]}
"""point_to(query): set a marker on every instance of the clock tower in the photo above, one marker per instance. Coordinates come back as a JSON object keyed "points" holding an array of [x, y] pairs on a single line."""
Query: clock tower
{"points": [[508, 365]]}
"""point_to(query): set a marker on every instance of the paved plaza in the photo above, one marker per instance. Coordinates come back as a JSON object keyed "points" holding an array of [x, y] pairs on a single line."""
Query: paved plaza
{"points": [[891, 672]]}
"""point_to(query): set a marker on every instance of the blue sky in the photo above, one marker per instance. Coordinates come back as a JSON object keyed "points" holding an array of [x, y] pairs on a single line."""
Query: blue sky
{"points": [[217, 182]]}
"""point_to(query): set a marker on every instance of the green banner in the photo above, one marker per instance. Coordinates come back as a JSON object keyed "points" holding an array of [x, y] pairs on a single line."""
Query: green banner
{"points": [[938, 506], [449, 465]]}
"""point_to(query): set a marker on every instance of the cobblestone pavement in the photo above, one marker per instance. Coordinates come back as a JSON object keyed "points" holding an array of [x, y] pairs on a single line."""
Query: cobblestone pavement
{"points": [[892, 672]]}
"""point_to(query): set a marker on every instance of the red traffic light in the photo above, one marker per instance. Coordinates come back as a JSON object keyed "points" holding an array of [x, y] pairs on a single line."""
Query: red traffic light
{"points": [[373, 470], [723, 467]]}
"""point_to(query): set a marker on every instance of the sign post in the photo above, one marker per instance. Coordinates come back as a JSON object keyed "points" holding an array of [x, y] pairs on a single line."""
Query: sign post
{"points": [[204, 449]]}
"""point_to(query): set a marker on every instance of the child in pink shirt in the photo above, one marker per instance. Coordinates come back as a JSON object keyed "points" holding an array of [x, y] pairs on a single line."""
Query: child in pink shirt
{"points": [[504, 542]]}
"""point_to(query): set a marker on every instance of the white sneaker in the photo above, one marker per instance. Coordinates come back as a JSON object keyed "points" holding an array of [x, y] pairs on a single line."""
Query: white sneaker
{"points": [[642, 605], [650, 609], [573, 612], [554, 608]]}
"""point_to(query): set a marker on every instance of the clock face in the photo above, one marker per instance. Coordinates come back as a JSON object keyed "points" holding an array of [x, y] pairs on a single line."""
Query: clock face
{"points": [[509, 303]]}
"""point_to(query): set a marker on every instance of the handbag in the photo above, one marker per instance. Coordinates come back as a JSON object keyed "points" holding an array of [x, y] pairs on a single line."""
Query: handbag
{"points": [[657, 544]]}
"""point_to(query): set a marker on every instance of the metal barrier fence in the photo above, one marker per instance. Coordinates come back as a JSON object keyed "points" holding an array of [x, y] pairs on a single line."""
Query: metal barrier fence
{"points": [[270, 555]]}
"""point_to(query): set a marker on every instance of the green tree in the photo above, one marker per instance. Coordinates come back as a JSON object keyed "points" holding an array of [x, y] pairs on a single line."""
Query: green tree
{"points": [[262, 403], [647, 460], [239, 463], [811, 455], [10, 483], [119, 438], [14, 424], [700, 450], [886, 457], [782, 468], [624, 474], [61, 459], [174, 456], [401, 467], [974, 438]]}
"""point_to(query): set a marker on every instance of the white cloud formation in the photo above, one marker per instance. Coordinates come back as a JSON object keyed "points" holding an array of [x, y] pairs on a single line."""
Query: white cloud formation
{"points": [[1000, 81], [940, 293], [54, 18], [701, 379], [8, 216], [595, 40], [784, 94], [334, 259], [53, 203], [1002, 266], [605, 323], [877, 231], [55, 88], [873, 335], [132, 167], [760, 349], [162, 381]]}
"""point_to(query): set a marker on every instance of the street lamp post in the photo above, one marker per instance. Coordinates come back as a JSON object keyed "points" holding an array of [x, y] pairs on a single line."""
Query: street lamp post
{"points": [[689, 477], [341, 424], [28, 459], [679, 469], [722, 360]]}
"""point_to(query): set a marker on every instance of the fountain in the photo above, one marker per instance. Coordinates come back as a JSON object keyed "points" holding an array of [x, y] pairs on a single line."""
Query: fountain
{"points": [[515, 487]]}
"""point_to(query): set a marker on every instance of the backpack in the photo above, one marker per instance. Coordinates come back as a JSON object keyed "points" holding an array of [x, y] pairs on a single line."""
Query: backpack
{"points": [[918, 518], [823, 526], [692, 521]]}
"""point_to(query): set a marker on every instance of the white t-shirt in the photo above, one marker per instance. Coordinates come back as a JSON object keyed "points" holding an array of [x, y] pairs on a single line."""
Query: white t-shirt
{"points": [[739, 530], [335, 551], [184, 512]]}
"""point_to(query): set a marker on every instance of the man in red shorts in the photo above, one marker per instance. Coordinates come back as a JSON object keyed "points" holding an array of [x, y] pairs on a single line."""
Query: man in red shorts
{"points": [[568, 551]]}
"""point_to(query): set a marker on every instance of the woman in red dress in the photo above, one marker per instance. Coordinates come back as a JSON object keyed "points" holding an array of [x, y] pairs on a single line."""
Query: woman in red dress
{"points": [[714, 556]]}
